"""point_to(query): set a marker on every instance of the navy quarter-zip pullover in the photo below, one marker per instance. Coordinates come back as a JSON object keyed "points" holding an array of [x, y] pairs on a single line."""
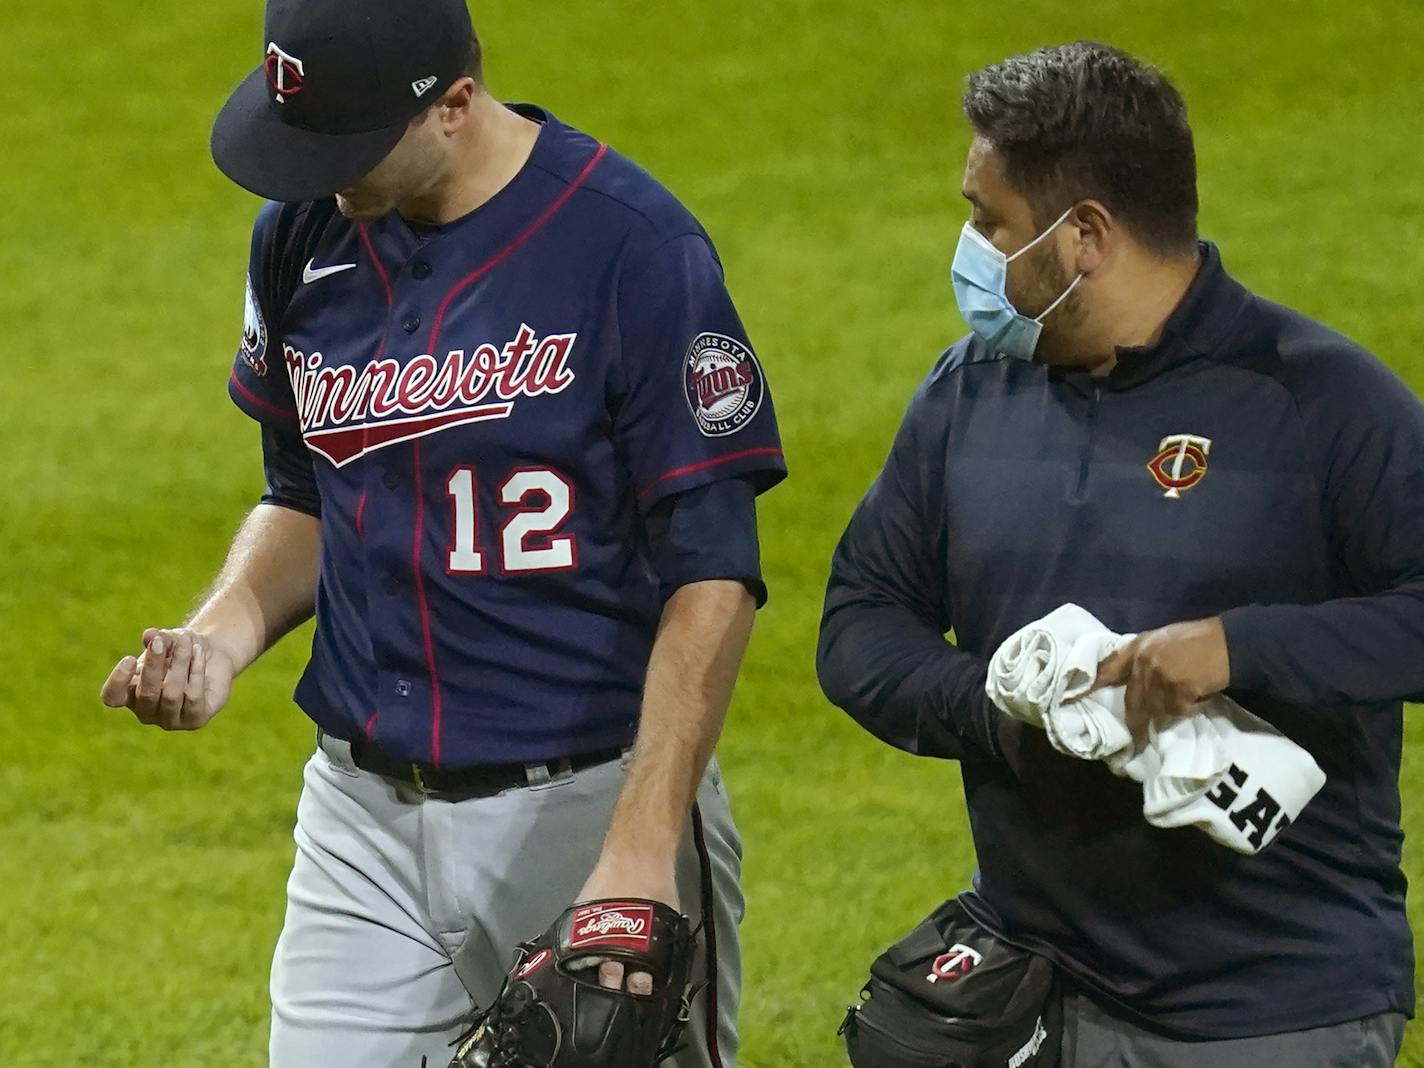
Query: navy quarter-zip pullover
{"points": [[1012, 488]]}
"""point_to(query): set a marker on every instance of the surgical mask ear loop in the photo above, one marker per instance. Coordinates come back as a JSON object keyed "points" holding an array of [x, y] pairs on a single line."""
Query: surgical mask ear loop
{"points": [[1064, 295], [1044, 314], [1040, 237]]}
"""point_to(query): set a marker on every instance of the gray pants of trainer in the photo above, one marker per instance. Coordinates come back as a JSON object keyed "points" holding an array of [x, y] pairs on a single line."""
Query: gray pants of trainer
{"points": [[403, 910], [1094, 1039]]}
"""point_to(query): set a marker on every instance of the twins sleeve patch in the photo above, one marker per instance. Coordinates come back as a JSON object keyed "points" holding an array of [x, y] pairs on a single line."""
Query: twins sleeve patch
{"points": [[253, 349], [624, 926], [724, 384]]}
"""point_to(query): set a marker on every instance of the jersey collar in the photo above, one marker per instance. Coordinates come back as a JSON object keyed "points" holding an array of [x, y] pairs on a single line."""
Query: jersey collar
{"points": [[1202, 325]]}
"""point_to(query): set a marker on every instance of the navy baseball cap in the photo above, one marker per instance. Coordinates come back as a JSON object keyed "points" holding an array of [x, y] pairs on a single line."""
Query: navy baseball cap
{"points": [[339, 83]]}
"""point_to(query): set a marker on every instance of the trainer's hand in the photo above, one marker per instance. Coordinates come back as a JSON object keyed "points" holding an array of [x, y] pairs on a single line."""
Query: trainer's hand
{"points": [[1167, 671], [180, 681], [630, 878]]}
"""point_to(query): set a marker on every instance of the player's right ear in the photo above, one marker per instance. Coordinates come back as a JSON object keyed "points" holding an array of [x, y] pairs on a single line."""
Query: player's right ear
{"points": [[455, 106]]}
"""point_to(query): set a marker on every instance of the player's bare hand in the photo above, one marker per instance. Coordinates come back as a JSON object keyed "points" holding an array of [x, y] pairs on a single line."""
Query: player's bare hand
{"points": [[650, 881], [180, 681], [1167, 671]]}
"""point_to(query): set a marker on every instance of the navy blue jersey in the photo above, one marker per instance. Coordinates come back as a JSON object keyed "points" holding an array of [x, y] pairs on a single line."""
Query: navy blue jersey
{"points": [[493, 407], [1253, 464]]}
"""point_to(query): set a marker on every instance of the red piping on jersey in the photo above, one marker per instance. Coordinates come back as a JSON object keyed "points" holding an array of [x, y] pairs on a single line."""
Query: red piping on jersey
{"points": [[380, 351], [508, 250], [371, 723], [258, 402], [380, 270], [499, 257], [381, 348], [424, 607], [691, 469]]}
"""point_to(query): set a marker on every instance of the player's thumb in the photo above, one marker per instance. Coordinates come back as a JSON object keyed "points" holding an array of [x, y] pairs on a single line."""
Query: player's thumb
{"points": [[115, 691]]}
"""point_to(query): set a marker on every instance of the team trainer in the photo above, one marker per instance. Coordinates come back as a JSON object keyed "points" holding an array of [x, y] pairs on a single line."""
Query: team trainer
{"points": [[1132, 430], [511, 419]]}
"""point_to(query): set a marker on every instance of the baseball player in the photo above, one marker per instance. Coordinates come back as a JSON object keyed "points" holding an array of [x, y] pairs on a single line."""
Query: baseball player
{"points": [[513, 433]]}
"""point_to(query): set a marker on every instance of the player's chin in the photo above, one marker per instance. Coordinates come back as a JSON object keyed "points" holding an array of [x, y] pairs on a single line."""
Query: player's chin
{"points": [[359, 208]]}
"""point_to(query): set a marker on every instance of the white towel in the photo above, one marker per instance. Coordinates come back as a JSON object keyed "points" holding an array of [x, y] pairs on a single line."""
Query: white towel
{"points": [[1219, 768]]}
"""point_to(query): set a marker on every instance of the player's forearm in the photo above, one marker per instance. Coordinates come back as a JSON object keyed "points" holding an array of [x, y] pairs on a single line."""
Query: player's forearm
{"points": [[266, 587], [693, 669]]}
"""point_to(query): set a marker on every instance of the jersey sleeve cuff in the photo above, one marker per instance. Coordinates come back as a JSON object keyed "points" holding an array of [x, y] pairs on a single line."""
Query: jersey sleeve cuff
{"points": [[754, 584], [258, 407], [293, 503], [1242, 628], [762, 467]]}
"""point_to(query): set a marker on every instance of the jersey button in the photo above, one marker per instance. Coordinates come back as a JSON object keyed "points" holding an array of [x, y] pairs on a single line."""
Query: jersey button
{"points": [[411, 324], [391, 585], [390, 480], [420, 270]]}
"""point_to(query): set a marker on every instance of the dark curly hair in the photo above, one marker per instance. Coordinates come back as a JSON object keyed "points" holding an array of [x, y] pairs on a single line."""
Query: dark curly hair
{"points": [[1085, 120]]}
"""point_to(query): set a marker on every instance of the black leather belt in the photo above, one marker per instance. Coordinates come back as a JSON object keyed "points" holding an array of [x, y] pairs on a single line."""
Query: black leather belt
{"points": [[476, 780]]}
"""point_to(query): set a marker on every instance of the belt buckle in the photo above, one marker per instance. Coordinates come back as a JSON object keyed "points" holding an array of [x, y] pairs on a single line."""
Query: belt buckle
{"points": [[419, 779]]}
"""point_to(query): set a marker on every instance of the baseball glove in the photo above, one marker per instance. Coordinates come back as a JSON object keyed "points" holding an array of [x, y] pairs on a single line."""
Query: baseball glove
{"points": [[551, 1011]]}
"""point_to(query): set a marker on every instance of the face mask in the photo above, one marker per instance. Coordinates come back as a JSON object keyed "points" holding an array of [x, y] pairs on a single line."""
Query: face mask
{"points": [[980, 275]]}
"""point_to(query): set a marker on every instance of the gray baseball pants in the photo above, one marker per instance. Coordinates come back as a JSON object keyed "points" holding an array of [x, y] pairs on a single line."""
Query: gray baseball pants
{"points": [[403, 911], [1094, 1039]]}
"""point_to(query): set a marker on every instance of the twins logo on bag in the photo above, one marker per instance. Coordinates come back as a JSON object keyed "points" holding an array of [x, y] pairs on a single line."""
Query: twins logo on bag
{"points": [[956, 964], [616, 924]]}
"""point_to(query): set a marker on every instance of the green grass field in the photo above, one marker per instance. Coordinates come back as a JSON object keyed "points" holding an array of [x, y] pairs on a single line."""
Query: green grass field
{"points": [[142, 875]]}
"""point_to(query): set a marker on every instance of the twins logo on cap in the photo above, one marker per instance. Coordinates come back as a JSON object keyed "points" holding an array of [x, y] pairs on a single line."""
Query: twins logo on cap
{"points": [[285, 73], [724, 384]]}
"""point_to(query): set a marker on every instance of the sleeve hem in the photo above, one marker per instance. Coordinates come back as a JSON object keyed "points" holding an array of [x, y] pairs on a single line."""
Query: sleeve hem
{"points": [[255, 406], [763, 467], [755, 585], [292, 504], [1243, 667]]}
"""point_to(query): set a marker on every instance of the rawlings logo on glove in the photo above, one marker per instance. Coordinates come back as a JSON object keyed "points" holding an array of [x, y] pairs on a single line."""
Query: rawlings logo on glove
{"points": [[553, 1013], [613, 924]]}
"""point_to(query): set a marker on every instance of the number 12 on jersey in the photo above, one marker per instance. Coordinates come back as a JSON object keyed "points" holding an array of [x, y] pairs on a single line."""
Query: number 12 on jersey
{"points": [[527, 539]]}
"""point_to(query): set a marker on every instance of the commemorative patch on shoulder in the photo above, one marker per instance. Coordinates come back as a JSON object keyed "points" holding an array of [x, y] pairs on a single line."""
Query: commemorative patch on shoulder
{"points": [[724, 384], [254, 333]]}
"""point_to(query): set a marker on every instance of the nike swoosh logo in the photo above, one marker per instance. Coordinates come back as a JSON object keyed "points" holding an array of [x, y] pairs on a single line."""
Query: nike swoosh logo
{"points": [[312, 273]]}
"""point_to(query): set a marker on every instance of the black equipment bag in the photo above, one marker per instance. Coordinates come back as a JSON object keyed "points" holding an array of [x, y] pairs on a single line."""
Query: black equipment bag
{"points": [[951, 994]]}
